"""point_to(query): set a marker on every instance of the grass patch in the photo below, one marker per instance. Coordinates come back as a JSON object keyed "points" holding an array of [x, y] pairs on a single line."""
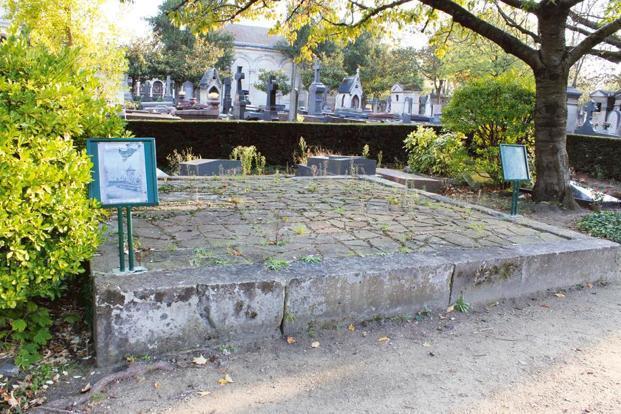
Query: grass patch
{"points": [[604, 224]]}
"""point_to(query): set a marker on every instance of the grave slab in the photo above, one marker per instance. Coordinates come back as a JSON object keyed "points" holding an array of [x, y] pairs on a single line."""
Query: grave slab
{"points": [[342, 250]]}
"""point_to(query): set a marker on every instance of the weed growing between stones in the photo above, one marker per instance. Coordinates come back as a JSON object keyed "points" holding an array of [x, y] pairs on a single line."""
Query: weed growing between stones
{"points": [[461, 305], [275, 264], [311, 259]]}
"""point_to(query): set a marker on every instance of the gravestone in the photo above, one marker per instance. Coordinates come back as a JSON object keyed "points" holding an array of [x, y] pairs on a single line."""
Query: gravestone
{"points": [[207, 167], [587, 127], [145, 89], [168, 89], [337, 165], [270, 112], [226, 102], [573, 95], [406, 116], [316, 92], [188, 88], [241, 96]]}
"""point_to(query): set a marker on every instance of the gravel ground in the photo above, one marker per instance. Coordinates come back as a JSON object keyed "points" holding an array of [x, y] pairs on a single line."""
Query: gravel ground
{"points": [[559, 352]]}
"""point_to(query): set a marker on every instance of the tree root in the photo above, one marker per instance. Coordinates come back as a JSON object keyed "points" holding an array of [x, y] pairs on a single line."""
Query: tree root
{"points": [[69, 405]]}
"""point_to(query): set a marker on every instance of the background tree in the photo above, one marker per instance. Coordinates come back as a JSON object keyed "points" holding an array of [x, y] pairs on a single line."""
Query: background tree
{"points": [[280, 78], [178, 52], [547, 51], [62, 24], [433, 68]]}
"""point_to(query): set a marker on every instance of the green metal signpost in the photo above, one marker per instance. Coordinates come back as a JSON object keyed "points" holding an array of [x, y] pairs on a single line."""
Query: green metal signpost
{"points": [[124, 176], [514, 160]]}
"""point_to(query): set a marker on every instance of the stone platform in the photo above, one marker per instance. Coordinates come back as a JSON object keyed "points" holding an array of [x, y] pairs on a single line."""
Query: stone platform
{"points": [[237, 259]]}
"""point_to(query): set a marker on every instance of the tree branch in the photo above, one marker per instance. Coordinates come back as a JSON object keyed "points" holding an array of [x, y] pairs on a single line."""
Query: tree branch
{"points": [[512, 23], [593, 40], [609, 55], [518, 4], [569, 3], [506, 41], [611, 40]]}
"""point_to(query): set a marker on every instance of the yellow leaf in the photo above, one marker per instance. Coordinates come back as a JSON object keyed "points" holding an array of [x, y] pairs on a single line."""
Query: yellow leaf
{"points": [[291, 340], [199, 360], [351, 327], [225, 380], [559, 295], [315, 344], [450, 309], [204, 393], [384, 339]]}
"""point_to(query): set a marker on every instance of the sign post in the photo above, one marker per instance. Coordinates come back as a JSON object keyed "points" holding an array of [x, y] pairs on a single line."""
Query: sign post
{"points": [[124, 176], [514, 160]]}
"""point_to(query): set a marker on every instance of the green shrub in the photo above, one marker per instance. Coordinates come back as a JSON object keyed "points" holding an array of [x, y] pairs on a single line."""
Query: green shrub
{"points": [[430, 153], [249, 156], [492, 111], [48, 226], [605, 224]]}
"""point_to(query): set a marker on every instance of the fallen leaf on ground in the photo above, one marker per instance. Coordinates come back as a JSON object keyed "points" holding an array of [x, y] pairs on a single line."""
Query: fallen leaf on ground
{"points": [[384, 339], [426, 344], [351, 327], [589, 285], [86, 388], [204, 393], [156, 385], [199, 360], [559, 295], [315, 344], [450, 309], [291, 340], [225, 380]]}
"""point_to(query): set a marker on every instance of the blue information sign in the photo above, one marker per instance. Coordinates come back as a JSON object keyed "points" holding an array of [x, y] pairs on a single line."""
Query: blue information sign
{"points": [[514, 161], [124, 176], [124, 171]]}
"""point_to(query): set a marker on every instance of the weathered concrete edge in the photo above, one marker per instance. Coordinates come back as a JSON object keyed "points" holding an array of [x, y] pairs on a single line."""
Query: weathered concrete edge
{"points": [[350, 289]]}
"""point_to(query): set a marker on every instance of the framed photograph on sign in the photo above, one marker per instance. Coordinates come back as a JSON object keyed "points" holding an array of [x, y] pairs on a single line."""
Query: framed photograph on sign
{"points": [[124, 171], [514, 159]]}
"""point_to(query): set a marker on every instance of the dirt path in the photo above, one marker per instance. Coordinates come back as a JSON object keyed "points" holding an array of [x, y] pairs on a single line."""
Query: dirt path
{"points": [[548, 354]]}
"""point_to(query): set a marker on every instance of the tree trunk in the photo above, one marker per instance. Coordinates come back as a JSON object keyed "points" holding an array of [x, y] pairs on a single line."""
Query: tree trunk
{"points": [[552, 162]]}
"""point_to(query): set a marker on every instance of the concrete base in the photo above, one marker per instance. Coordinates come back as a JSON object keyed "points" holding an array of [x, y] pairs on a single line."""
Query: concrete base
{"points": [[203, 167], [159, 312], [420, 182]]}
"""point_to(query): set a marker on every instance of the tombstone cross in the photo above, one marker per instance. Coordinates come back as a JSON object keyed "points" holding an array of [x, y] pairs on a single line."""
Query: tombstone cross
{"points": [[316, 69]]}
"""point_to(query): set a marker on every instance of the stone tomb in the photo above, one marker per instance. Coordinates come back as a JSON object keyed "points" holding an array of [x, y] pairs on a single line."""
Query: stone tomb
{"points": [[351, 249], [205, 167], [337, 165]]}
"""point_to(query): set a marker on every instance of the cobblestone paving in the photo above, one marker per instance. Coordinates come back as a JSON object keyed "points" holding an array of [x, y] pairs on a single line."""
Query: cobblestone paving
{"points": [[233, 220]]}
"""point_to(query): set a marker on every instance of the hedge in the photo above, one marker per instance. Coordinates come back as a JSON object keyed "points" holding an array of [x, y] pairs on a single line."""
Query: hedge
{"points": [[279, 140], [598, 156]]}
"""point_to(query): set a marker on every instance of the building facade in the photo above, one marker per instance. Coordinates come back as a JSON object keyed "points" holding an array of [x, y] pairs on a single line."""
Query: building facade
{"points": [[254, 50]]}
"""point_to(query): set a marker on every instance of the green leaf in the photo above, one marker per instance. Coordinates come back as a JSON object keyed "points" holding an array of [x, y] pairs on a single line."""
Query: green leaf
{"points": [[18, 325]]}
